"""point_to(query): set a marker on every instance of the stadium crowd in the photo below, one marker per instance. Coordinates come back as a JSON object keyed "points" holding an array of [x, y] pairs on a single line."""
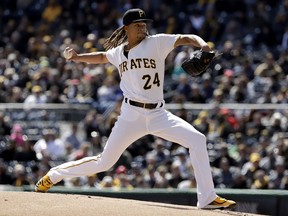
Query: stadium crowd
{"points": [[248, 148]]}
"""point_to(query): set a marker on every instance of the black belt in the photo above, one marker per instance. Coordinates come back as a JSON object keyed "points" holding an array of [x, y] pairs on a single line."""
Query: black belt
{"points": [[143, 105]]}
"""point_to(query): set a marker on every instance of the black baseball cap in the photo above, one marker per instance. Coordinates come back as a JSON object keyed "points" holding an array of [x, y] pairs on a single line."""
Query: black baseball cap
{"points": [[135, 15]]}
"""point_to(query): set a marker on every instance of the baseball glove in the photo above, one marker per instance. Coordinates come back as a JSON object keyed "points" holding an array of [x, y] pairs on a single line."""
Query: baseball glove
{"points": [[198, 62]]}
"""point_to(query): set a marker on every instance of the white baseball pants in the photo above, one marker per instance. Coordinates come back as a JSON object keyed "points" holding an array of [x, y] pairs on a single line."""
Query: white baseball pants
{"points": [[134, 123]]}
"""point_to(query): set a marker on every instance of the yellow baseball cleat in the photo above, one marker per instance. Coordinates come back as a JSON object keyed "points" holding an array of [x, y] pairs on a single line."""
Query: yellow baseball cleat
{"points": [[221, 203], [44, 184]]}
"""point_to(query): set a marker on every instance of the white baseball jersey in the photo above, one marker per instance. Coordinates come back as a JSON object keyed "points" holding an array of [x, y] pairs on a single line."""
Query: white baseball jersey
{"points": [[142, 73]]}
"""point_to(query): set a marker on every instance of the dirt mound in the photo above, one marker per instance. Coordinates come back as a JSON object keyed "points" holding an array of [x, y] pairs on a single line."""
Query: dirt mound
{"points": [[32, 204]]}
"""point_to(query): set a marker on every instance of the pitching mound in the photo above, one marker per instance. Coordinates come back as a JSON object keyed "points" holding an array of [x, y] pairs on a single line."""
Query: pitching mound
{"points": [[35, 204]]}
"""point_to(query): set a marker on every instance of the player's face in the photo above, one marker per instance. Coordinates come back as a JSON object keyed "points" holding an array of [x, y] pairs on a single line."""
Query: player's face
{"points": [[137, 31]]}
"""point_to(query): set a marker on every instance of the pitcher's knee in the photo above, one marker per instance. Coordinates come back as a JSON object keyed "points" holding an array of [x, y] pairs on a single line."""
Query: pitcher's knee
{"points": [[198, 138], [197, 141], [106, 164], [201, 138]]}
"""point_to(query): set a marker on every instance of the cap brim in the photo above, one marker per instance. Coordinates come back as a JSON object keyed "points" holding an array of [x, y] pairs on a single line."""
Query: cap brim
{"points": [[142, 20]]}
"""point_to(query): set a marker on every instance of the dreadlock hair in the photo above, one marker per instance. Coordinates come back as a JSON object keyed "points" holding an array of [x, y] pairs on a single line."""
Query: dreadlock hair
{"points": [[117, 37]]}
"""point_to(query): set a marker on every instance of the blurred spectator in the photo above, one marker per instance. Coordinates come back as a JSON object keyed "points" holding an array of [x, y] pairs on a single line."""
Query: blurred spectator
{"points": [[267, 69], [136, 173], [149, 176], [17, 135], [223, 124], [182, 161], [16, 95], [175, 178], [107, 182], [97, 143], [281, 147], [260, 180], [3, 88], [196, 95], [254, 125], [93, 123], [239, 181], [73, 136], [265, 98], [52, 11], [285, 39], [20, 178], [150, 160], [5, 176], [108, 92], [121, 179], [224, 154], [26, 153], [249, 169], [83, 151], [161, 177], [74, 91], [178, 60], [284, 183], [207, 87], [92, 182], [5, 125], [161, 153], [43, 167], [188, 183], [24, 78], [278, 123], [9, 151], [224, 176], [95, 77], [183, 87], [277, 175], [238, 93], [49, 146], [197, 20], [201, 123], [248, 69], [183, 113], [109, 122], [211, 27], [218, 96], [36, 97], [125, 159], [54, 96], [243, 155]]}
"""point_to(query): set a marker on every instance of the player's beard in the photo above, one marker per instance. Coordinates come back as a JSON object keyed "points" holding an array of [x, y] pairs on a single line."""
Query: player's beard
{"points": [[141, 36]]}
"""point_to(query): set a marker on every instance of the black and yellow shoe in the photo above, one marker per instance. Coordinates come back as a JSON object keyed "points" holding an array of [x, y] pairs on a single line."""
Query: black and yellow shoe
{"points": [[44, 184], [221, 203]]}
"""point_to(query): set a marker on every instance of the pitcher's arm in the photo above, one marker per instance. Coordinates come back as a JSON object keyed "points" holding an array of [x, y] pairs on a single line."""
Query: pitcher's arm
{"points": [[91, 58]]}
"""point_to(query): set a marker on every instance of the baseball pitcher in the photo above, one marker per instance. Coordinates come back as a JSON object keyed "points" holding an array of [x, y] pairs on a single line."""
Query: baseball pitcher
{"points": [[140, 59]]}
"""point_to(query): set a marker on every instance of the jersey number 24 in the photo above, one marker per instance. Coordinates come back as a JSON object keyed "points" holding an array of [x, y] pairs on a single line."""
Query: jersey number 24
{"points": [[149, 81]]}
